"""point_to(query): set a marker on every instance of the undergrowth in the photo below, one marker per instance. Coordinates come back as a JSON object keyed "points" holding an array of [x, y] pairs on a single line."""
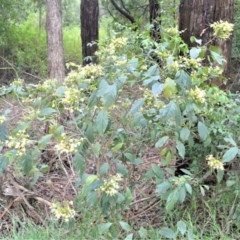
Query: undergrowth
{"points": [[104, 122]]}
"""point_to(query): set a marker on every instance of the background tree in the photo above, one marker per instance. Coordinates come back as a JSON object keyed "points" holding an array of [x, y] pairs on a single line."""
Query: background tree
{"points": [[122, 9], [89, 12], [196, 16], [154, 17], [55, 40]]}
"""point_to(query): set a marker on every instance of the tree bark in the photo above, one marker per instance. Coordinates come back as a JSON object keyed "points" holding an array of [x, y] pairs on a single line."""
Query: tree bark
{"points": [[154, 17], [195, 17], [55, 40], [89, 30]]}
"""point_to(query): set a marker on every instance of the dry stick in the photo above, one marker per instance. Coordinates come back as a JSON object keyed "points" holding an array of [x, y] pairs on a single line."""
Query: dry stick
{"points": [[146, 209], [39, 199], [43, 201], [9, 206], [142, 200], [10, 64], [21, 195]]}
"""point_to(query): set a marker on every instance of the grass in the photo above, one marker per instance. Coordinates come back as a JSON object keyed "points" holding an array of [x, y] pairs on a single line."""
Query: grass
{"points": [[213, 218]]}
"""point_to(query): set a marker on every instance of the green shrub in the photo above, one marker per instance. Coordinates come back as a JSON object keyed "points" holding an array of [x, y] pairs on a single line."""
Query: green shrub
{"points": [[108, 113]]}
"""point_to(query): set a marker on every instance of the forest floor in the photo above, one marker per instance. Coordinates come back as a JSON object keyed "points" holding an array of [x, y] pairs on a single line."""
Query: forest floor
{"points": [[21, 198]]}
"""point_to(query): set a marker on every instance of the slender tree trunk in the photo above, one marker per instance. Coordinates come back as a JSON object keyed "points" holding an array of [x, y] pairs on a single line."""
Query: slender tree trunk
{"points": [[89, 30], [55, 40], [195, 19], [154, 17]]}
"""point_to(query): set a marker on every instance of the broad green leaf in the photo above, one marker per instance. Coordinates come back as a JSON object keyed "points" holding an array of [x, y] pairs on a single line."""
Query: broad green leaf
{"points": [[79, 163], [202, 191], [3, 132], [129, 156], [190, 235], [220, 175], [137, 105], [121, 80], [182, 227], [230, 183], [183, 80], [89, 132], [230, 140], [187, 172], [133, 64], [157, 89], [92, 198], [104, 227], [44, 168], [107, 92], [188, 188], [27, 163], [169, 88], [137, 161], [128, 196], [104, 168], [90, 179], [181, 194], [60, 91], [57, 131], [184, 134], [96, 149], [47, 111], [194, 52], [196, 40], [202, 131], [162, 188], [159, 173], [102, 121], [129, 237], [142, 233], [132, 158], [118, 146], [152, 71], [230, 154], [151, 80], [125, 226], [3, 164], [42, 143], [167, 233], [121, 168], [172, 199], [218, 58], [181, 149], [171, 112], [160, 143]]}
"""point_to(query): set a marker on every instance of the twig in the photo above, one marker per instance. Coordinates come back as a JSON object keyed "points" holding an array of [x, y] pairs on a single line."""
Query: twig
{"points": [[142, 200], [10, 64], [146, 209], [9, 206]]}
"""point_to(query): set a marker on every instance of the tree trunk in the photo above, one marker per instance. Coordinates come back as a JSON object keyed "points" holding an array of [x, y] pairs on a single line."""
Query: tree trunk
{"points": [[55, 40], [89, 30], [154, 17], [195, 19]]}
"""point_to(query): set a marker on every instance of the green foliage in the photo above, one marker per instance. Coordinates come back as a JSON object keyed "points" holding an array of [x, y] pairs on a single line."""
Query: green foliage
{"points": [[27, 47], [107, 114], [72, 44]]}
